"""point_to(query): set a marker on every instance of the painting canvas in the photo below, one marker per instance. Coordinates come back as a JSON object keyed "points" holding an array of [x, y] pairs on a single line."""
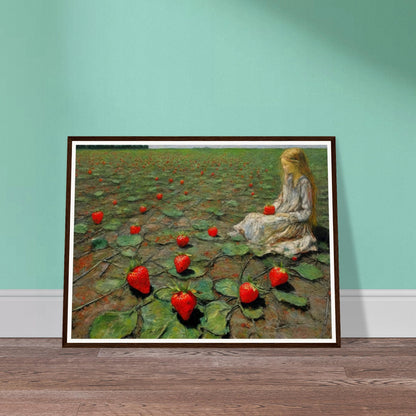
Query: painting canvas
{"points": [[201, 241]]}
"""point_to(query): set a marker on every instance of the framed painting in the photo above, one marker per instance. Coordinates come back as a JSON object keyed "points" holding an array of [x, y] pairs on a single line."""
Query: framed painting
{"points": [[201, 241]]}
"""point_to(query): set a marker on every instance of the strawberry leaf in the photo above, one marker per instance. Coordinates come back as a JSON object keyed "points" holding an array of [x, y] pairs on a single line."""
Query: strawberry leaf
{"points": [[129, 240], [113, 324], [99, 243], [112, 225], [202, 288], [128, 253], [98, 193], [215, 319], [202, 225], [323, 258], [156, 316], [80, 229], [252, 312], [107, 285], [227, 287], [172, 213], [308, 271], [133, 198], [290, 298], [191, 273], [206, 237], [164, 293], [231, 249], [177, 330]]}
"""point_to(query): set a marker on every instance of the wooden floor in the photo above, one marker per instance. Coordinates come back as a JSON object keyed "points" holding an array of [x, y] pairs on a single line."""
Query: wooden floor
{"points": [[363, 377]]}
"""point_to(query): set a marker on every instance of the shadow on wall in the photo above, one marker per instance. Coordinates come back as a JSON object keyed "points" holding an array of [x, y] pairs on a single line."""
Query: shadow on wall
{"points": [[351, 306], [379, 31]]}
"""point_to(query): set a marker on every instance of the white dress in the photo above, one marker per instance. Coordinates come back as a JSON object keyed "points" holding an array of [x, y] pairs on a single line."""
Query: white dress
{"points": [[283, 235]]}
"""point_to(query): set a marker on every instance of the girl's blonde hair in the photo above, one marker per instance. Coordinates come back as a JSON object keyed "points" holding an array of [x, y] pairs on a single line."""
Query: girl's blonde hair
{"points": [[297, 157]]}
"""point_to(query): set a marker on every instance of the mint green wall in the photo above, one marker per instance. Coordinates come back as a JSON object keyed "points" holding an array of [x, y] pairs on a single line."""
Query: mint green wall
{"points": [[197, 67]]}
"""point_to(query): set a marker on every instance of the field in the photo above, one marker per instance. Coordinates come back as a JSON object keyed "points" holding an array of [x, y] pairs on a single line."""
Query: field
{"points": [[219, 187]]}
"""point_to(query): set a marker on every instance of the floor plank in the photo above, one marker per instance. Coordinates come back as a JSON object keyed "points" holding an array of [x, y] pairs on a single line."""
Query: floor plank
{"points": [[363, 377]]}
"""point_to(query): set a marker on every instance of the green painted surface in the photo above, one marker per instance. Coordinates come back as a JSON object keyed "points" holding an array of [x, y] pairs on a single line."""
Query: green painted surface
{"points": [[193, 67]]}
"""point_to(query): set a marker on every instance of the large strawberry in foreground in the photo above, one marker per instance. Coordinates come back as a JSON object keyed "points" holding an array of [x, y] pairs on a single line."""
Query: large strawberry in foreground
{"points": [[248, 293], [138, 279], [278, 276], [184, 303], [182, 262]]}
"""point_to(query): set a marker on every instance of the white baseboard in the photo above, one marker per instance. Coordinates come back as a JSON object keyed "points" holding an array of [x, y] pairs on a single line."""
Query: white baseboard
{"points": [[365, 313]]}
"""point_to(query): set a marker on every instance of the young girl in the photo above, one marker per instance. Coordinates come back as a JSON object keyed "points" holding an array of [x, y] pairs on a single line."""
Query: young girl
{"points": [[289, 230]]}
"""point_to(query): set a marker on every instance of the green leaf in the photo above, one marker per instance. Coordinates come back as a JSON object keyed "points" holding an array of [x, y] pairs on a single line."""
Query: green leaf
{"points": [[172, 213], [202, 225], [202, 288], [99, 243], [231, 249], [308, 271], [205, 237], [81, 228], [133, 198], [227, 287], [108, 285], [112, 225], [252, 313], [164, 293], [98, 193], [177, 330], [128, 253], [157, 316], [323, 246], [323, 258], [215, 319], [238, 237], [129, 240], [116, 181], [215, 211], [114, 324], [208, 335], [290, 298], [232, 203], [190, 273]]}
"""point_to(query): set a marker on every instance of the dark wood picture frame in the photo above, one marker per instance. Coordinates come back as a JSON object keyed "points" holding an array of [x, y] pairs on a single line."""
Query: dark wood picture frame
{"points": [[85, 172]]}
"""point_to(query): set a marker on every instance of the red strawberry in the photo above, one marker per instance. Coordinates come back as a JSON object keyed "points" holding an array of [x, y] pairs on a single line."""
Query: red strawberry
{"points": [[135, 229], [143, 209], [212, 231], [89, 172], [248, 293], [269, 210], [186, 192], [184, 303], [294, 258], [278, 276], [182, 262], [252, 193], [250, 185], [170, 180], [138, 279], [202, 172], [156, 179], [101, 179], [182, 182], [114, 202], [182, 240], [159, 196], [97, 216]]}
